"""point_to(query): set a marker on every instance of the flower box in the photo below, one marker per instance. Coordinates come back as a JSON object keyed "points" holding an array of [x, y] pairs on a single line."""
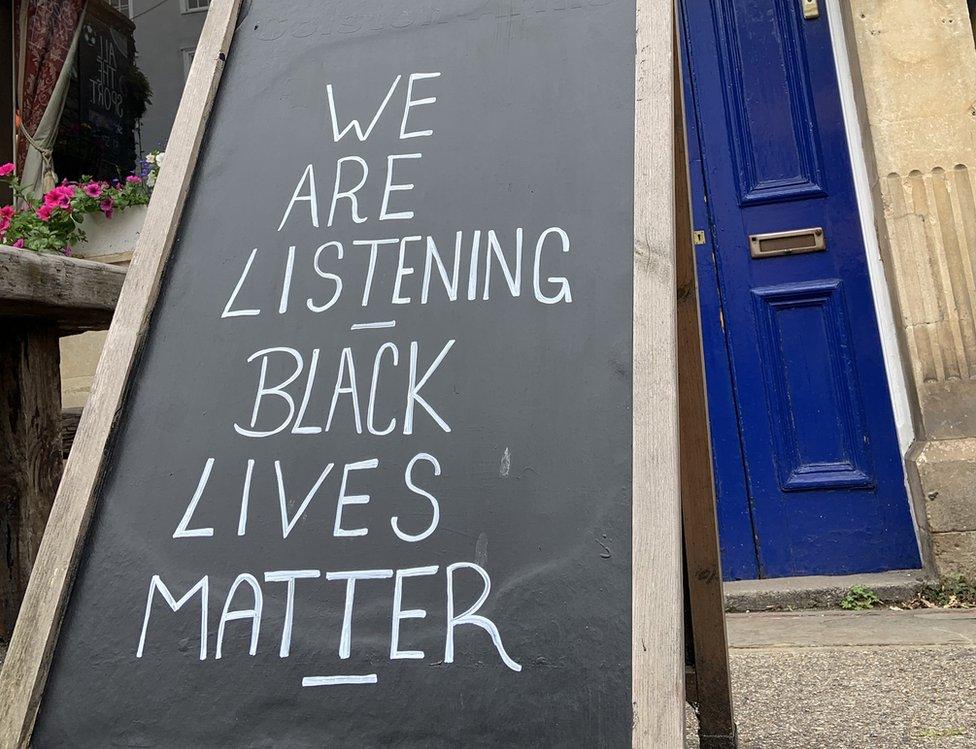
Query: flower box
{"points": [[112, 240]]}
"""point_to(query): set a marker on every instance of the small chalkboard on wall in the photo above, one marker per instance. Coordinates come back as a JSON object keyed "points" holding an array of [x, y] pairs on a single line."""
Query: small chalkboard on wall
{"points": [[382, 449], [96, 132]]}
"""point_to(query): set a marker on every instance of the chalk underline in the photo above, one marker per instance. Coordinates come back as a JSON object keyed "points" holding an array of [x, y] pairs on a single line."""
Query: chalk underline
{"points": [[373, 325], [328, 681]]}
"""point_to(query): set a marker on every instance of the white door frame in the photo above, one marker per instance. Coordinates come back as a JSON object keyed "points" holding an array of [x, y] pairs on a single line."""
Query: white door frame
{"points": [[866, 209]]}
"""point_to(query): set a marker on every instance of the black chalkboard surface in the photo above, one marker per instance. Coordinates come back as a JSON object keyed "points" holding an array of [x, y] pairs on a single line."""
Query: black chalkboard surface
{"points": [[372, 481]]}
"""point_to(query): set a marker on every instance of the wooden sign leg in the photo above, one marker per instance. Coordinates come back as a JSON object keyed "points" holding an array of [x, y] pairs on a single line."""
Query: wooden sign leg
{"points": [[711, 687], [30, 455]]}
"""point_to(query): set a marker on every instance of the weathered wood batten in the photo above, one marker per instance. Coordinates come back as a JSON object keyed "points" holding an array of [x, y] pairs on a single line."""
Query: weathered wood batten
{"points": [[66, 294]]}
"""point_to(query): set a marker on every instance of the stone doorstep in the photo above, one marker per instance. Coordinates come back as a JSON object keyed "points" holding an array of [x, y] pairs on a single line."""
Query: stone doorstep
{"points": [[820, 591], [946, 471], [839, 629]]}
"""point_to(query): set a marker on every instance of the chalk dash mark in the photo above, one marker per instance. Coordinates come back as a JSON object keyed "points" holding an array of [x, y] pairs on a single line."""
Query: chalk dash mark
{"points": [[374, 325], [330, 681], [506, 464]]}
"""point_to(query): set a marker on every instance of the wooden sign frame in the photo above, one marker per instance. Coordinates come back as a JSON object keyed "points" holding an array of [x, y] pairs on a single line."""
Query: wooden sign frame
{"points": [[707, 679], [656, 590]]}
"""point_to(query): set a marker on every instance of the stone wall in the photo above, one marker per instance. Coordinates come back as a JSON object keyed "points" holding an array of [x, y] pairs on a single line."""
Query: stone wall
{"points": [[915, 75], [109, 241]]}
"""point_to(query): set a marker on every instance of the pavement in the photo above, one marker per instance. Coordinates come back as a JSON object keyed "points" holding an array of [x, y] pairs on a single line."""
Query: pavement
{"points": [[853, 680]]}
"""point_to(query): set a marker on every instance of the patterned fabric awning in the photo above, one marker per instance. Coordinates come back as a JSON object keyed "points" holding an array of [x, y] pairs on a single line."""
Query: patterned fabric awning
{"points": [[44, 32]]}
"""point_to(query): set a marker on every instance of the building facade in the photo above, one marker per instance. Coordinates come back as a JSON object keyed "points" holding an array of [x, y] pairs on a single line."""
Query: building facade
{"points": [[166, 36]]}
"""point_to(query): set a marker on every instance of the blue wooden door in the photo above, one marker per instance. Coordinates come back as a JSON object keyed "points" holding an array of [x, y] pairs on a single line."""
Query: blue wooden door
{"points": [[809, 471]]}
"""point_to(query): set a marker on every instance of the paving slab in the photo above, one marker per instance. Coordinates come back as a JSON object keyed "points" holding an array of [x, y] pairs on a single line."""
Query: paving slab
{"points": [[893, 697], [853, 680], [851, 629]]}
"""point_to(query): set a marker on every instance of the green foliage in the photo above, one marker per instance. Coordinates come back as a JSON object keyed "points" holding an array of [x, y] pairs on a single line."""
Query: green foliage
{"points": [[138, 93], [954, 592], [860, 598]]}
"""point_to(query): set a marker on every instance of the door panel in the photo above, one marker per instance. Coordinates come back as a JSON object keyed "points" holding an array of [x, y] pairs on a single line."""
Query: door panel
{"points": [[824, 485], [815, 412], [773, 132]]}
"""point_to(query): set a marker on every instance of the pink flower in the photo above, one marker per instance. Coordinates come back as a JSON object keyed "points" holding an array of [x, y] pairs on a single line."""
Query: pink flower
{"points": [[60, 197], [7, 212], [107, 207], [133, 179], [45, 211], [67, 250], [7, 169], [92, 189], [19, 244]]}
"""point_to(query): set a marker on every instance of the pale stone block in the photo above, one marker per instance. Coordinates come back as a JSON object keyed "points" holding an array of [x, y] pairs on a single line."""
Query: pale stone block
{"points": [[918, 68], [930, 241], [949, 409], [79, 358], [947, 477], [955, 553]]}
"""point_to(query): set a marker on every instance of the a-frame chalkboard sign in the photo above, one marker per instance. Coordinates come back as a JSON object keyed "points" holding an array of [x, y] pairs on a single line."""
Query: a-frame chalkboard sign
{"points": [[383, 448]]}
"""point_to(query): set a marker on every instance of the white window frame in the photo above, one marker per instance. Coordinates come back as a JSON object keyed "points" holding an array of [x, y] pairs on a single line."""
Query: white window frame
{"points": [[185, 8], [187, 54], [132, 11]]}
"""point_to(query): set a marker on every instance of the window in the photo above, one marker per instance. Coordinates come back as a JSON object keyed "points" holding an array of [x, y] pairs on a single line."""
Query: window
{"points": [[187, 53], [122, 6], [193, 6]]}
